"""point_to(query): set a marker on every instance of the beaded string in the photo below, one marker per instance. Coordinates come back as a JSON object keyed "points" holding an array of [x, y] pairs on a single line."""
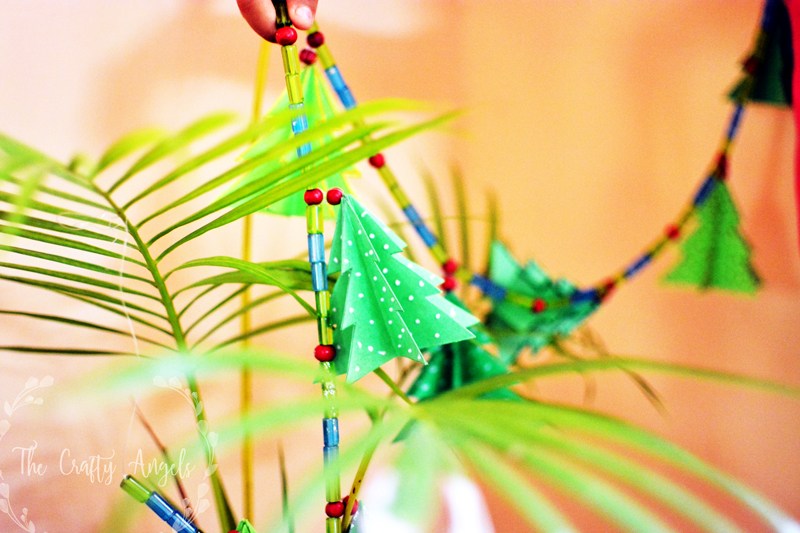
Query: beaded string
{"points": [[316, 40], [598, 292], [286, 36], [325, 352], [159, 505]]}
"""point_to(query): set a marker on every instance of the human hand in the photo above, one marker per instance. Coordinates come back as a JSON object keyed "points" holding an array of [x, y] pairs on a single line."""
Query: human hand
{"points": [[260, 14]]}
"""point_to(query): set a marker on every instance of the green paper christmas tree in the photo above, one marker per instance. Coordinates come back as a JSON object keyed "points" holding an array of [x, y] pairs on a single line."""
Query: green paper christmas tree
{"points": [[716, 255], [454, 365], [318, 105], [516, 327], [383, 305], [772, 81], [245, 527]]}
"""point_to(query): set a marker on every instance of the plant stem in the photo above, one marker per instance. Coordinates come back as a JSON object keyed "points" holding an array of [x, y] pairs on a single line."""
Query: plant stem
{"points": [[284, 487], [357, 482], [381, 373], [186, 503], [246, 391], [246, 397], [370, 451], [225, 514]]}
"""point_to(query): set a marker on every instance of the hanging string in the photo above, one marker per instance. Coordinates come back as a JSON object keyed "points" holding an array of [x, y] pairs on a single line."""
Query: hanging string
{"points": [[598, 292], [286, 37]]}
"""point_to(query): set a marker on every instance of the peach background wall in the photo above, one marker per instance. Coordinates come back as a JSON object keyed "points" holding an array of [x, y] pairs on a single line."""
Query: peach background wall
{"points": [[592, 122]]}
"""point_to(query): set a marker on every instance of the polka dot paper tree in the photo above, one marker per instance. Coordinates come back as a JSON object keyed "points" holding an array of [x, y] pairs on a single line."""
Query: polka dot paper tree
{"points": [[383, 305]]}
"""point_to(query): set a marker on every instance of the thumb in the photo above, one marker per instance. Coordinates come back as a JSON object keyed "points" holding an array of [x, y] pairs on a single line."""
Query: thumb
{"points": [[302, 12]]}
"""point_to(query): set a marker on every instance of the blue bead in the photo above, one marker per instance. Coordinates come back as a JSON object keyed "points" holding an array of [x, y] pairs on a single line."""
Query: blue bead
{"points": [[340, 87], [347, 98], [330, 431], [769, 12], [582, 296], [330, 454], [735, 121], [422, 230], [182, 525], [303, 150], [316, 248], [412, 215], [169, 514], [319, 277], [427, 235], [704, 191], [638, 265], [160, 506], [299, 125], [487, 287]]}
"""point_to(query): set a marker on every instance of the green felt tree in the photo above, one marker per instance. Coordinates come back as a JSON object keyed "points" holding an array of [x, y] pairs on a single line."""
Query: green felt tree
{"points": [[319, 106], [383, 305], [716, 255], [772, 66], [516, 327]]}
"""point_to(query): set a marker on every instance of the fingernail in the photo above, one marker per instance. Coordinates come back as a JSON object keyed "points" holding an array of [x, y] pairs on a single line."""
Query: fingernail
{"points": [[303, 16]]}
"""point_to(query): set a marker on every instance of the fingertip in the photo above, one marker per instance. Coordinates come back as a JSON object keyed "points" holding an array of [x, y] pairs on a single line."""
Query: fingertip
{"points": [[302, 14]]}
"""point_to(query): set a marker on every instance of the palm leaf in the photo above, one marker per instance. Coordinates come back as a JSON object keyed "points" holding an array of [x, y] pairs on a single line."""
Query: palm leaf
{"points": [[172, 144], [130, 143], [82, 324], [261, 274], [533, 505], [306, 179], [435, 202]]}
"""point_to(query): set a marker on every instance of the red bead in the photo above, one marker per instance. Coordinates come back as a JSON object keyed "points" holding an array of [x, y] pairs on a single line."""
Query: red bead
{"points": [[607, 289], [449, 267], [721, 172], [449, 284], [335, 196], [313, 196], [355, 505], [538, 305], [751, 65], [334, 509], [377, 160], [286, 36], [324, 353], [315, 40], [308, 56], [672, 232]]}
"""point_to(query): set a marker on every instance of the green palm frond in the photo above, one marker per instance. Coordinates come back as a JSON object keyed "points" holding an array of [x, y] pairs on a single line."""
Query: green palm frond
{"points": [[77, 229], [533, 453]]}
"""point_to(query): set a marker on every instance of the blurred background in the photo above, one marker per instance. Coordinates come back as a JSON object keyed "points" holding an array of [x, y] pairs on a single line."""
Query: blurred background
{"points": [[592, 122]]}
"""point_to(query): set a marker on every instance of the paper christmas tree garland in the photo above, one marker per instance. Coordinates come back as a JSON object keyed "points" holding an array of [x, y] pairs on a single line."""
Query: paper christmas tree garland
{"points": [[319, 106], [515, 326], [551, 308], [383, 305], [716, 255]]}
